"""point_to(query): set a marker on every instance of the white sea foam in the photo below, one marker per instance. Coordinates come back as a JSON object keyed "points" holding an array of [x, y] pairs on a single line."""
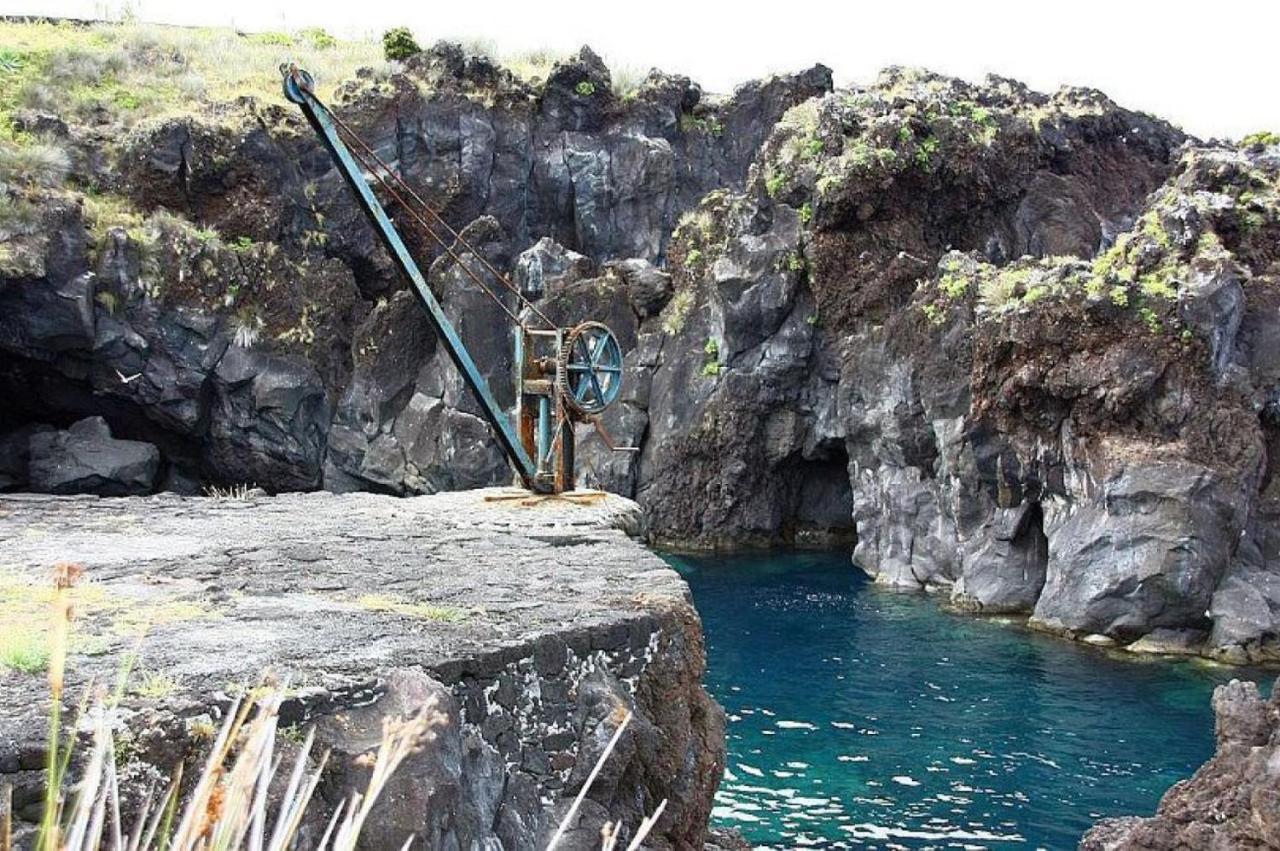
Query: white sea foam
{"points": [[876, 831]]}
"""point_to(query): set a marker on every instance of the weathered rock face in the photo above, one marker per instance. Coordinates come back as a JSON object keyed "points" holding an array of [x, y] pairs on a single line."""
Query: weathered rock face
{"points": [[1085, 443], [1017, 348], [1125, 403], [1231, 801], [226, 358], [233, 335], [536, 627], [821, 378], [569, 159]]}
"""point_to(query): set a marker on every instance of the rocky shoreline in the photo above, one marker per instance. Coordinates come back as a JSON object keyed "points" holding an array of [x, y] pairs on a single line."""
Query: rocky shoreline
{"points": [[537, 626], [1232, 801], [1016, 347]]}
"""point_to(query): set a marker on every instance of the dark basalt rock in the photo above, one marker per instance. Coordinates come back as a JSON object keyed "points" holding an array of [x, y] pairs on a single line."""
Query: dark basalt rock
{"points": [[15, 456], [548, 263], [87, 459], [831, 332], [408, 423]]}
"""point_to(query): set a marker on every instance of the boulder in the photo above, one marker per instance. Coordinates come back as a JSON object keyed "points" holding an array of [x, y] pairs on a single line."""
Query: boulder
{"points": [[548, 264], [648, 288], [87, 459], [1147, 553]]}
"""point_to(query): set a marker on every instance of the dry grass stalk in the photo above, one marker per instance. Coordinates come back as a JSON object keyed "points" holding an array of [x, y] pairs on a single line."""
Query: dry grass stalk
{"points": [[228, 807]]}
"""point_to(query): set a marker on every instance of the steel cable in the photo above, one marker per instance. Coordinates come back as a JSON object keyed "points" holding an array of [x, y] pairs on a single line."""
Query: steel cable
{"points": [[439, 241], [383, 166]]}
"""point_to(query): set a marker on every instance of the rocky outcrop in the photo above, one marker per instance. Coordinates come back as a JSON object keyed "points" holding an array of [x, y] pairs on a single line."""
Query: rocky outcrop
{"points": [[226, 357], [1123, 402], [1015, 348], [1230, 802], [826, 399], [536, 625], [1083, 441], [567, 158], [222, 321]]}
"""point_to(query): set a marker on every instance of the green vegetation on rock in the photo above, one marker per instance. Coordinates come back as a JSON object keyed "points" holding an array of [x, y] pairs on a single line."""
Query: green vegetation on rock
{"points": [[125, 73], [677, 312], [712, 365], [399, 44], [1218, 216], [709, 124], [908, 125], [1262, 137]]}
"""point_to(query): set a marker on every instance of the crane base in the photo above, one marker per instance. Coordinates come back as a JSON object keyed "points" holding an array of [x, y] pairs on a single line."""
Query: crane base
{"points": [[526, 498]]}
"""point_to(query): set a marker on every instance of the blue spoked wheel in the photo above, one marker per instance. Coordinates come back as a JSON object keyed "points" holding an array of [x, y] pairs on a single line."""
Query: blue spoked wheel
{"points": [[590, 368], [296, 81]]}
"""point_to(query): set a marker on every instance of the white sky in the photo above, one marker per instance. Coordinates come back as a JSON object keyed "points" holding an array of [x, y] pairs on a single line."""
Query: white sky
{"points": [[1207, 66]]}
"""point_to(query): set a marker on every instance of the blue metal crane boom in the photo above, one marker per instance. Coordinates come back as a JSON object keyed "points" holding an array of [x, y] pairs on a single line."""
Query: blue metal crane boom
{"points": [[579, 379]]}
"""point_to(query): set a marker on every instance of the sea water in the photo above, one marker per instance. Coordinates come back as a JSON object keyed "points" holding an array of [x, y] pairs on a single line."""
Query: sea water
{"points": [[865, 718]]}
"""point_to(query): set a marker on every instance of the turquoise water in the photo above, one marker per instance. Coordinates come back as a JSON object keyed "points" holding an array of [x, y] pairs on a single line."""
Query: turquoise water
{"points": [[865, 718]]}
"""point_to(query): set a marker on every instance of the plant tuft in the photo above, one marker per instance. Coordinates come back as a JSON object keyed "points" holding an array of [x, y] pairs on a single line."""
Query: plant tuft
{"points": [[398, 44]]}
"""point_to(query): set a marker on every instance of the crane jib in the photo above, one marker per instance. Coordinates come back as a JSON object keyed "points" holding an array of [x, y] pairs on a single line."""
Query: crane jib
{"points": [[562, 375]]}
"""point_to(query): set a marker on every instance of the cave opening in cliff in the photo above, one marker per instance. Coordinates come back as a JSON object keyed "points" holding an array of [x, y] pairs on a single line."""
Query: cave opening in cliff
{"points": [[819, 513], [44, 398]]}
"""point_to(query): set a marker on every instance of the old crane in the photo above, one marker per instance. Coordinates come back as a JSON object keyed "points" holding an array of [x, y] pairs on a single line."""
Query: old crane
{"points": [[563, 376]]}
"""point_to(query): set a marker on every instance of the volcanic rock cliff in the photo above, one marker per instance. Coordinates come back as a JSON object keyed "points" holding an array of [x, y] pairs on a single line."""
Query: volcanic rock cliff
{"points": [[1015, 346]]}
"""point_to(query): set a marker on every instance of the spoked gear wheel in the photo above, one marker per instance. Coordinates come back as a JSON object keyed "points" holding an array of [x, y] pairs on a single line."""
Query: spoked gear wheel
{"points": [[589, 369]]}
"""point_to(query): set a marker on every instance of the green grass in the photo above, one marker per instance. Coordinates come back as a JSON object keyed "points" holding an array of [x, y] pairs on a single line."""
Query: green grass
{"points": [[33, 164], [1262, 137], [24, 649], [532, 64], [154, 686], [425, 611], [137, 70]]}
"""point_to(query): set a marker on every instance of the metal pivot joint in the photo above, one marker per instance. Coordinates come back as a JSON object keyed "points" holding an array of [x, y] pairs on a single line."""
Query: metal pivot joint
{"points": [[563, 376]]}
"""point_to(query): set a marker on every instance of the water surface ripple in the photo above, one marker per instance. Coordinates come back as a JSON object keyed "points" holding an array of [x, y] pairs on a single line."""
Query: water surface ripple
{"points": [[864, 718]]}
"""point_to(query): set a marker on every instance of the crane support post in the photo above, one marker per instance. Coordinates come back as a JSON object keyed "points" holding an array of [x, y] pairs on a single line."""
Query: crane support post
{"points": [[317, 115]]}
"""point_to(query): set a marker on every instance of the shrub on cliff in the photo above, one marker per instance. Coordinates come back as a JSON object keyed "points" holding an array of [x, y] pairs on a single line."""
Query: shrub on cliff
{"points": [[398, 44]]}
